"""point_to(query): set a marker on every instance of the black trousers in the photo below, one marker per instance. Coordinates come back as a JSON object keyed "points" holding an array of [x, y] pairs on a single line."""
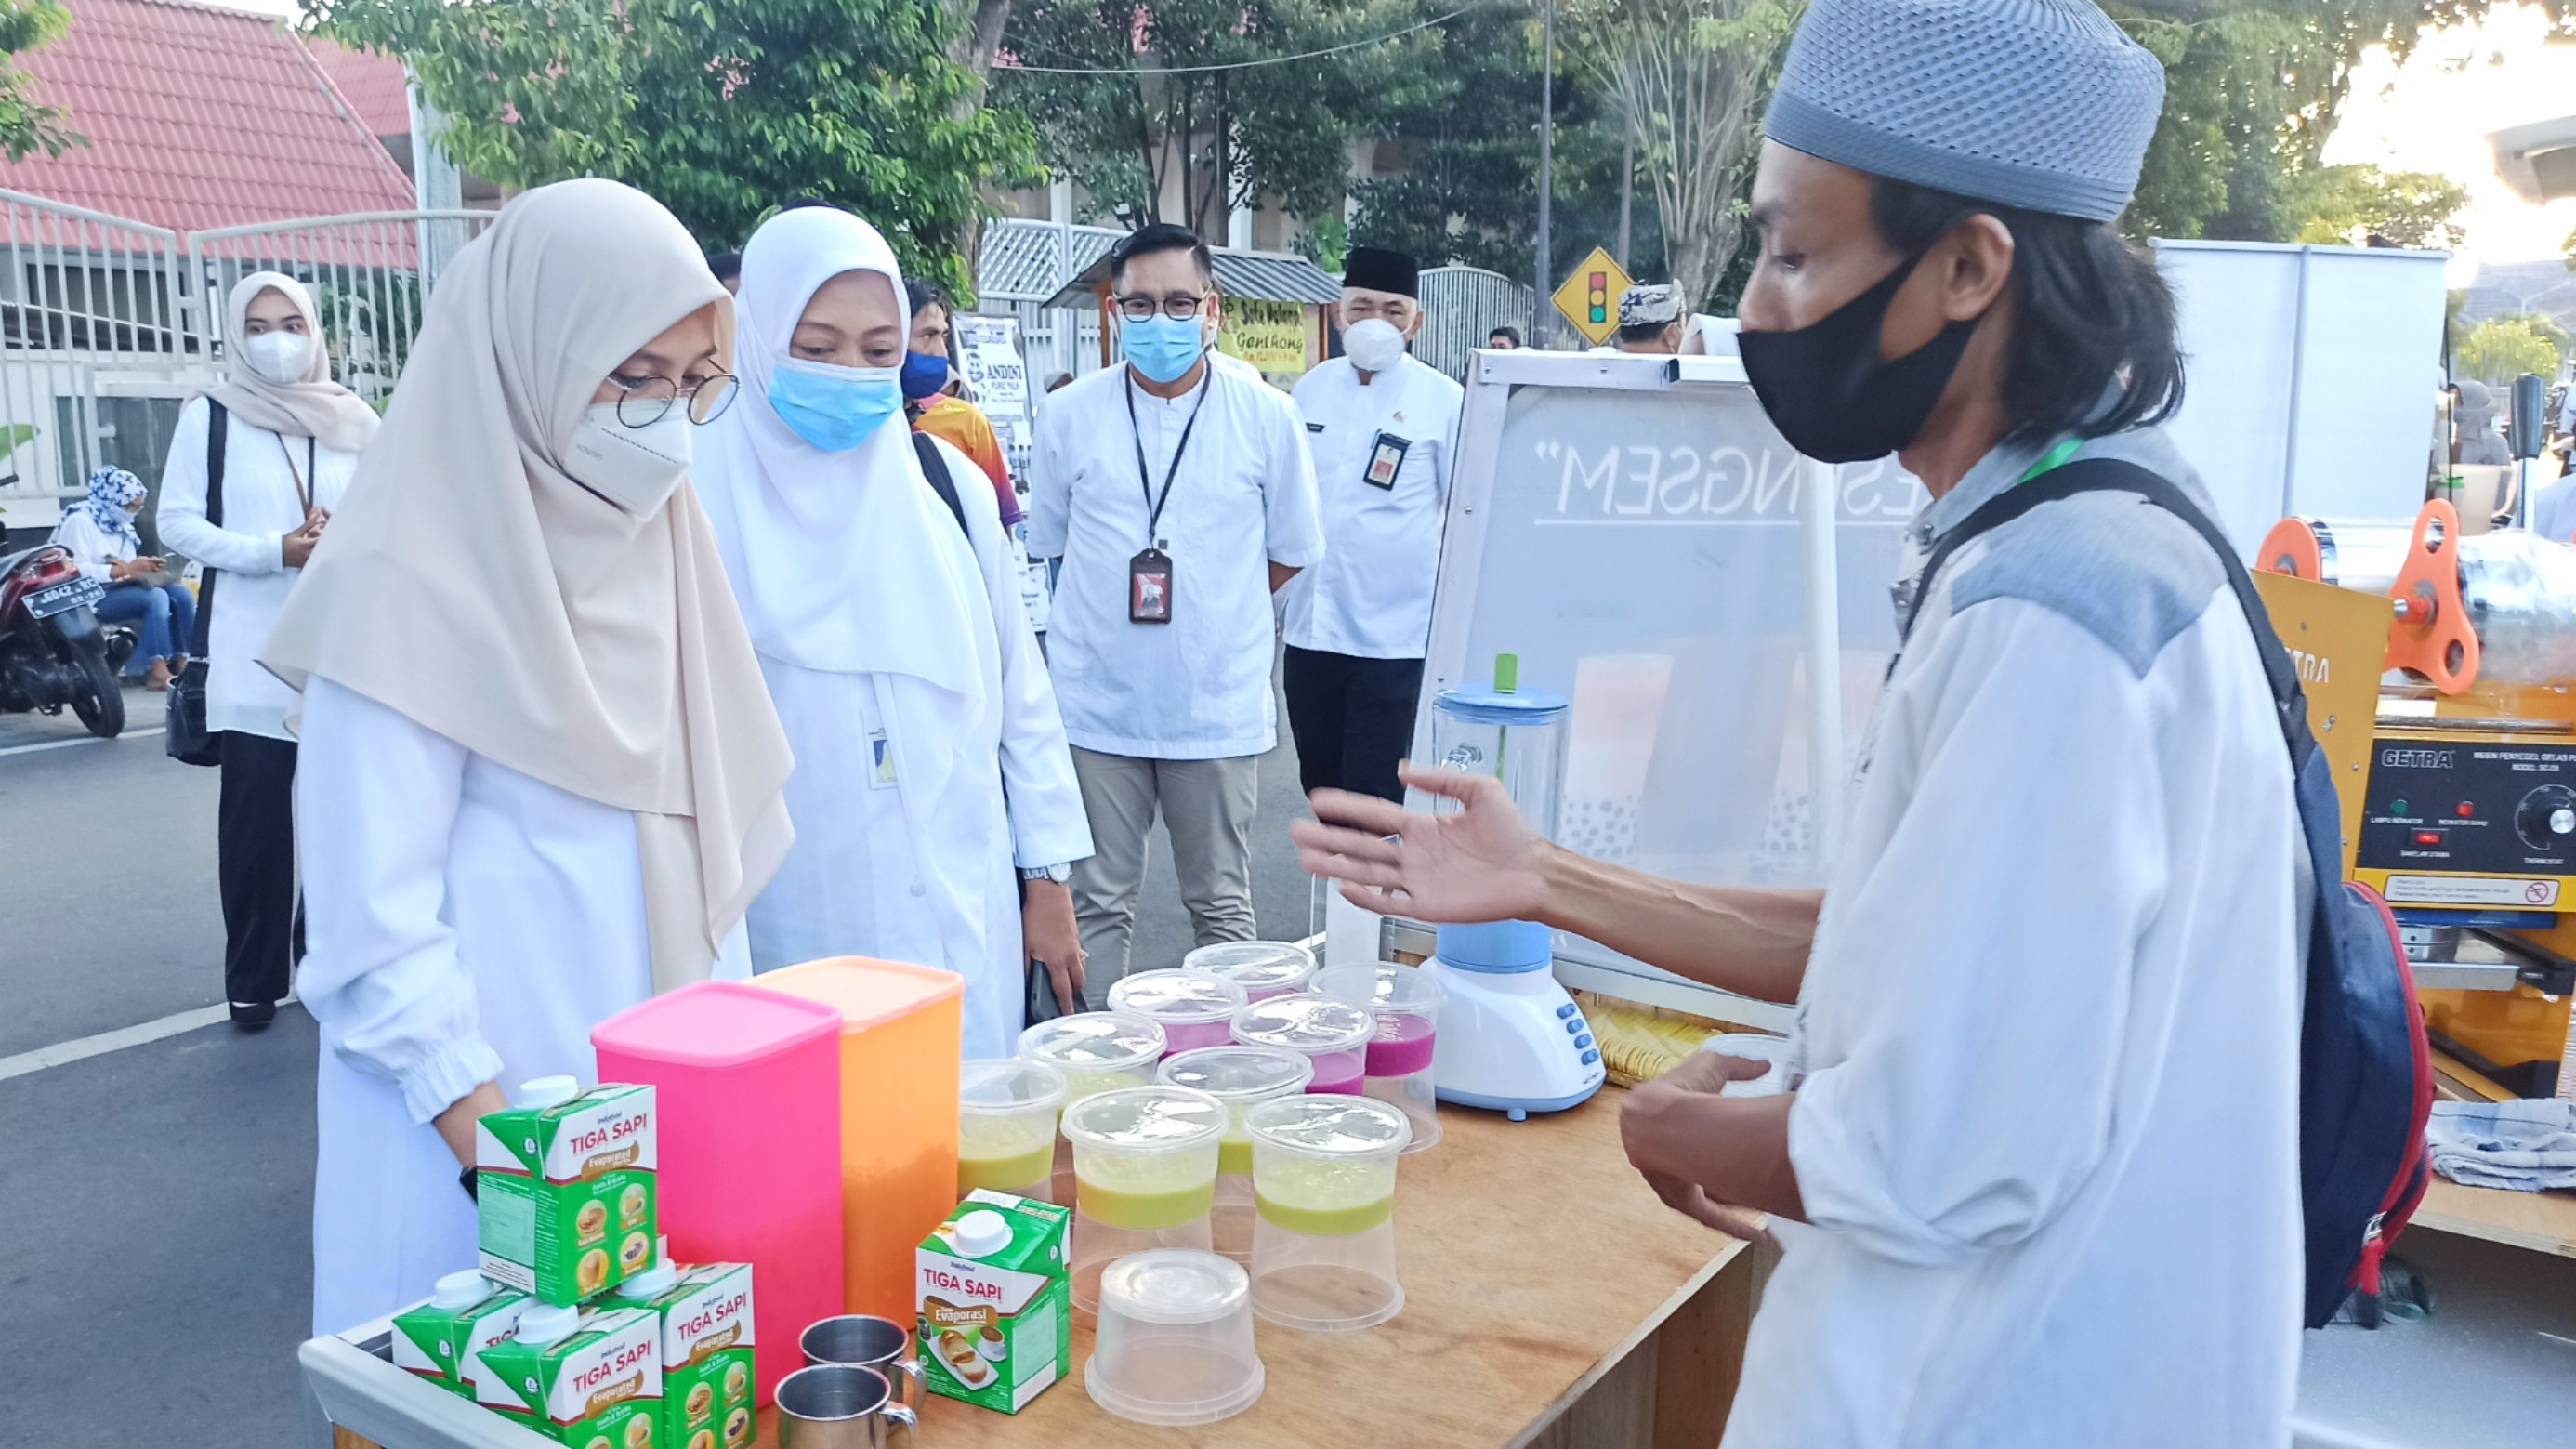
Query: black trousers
{"points": [[255, 860], [1352, 719]]}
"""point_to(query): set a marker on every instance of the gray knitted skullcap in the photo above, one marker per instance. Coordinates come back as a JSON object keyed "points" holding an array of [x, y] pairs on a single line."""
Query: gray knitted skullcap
{"points": [[2039, 104], [1650, 304]]}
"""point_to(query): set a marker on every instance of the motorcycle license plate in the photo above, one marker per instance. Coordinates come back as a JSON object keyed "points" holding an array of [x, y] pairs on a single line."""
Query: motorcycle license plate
{"points": [[46, 602]]}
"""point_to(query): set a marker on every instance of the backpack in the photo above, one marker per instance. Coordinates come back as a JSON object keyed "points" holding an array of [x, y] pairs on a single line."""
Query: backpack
{"points": [[2365, 1068]]}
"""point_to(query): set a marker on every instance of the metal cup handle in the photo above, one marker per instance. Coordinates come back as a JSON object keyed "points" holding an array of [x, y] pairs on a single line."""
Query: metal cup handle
{"points": [[905, 1418], [912, 1388]]}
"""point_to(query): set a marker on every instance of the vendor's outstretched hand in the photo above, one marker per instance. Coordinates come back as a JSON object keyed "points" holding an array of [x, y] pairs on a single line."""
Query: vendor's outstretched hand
{"points": [[1483, 863]]}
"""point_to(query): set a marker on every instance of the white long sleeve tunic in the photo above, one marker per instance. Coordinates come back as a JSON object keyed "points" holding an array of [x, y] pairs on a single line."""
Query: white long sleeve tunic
{"points": [[2047, 1132], [464, 923]]}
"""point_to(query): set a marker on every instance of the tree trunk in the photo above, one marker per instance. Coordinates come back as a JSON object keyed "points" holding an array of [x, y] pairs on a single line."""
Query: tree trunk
{"points": [[979, 35]]}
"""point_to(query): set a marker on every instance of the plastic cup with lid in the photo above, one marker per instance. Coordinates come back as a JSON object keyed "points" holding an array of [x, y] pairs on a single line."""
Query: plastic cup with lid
{"points": [[1263, 969], [1006, 1126], [1098, 1051], [1175, 1344], [1407, 1002], [1323, 1181], [1334, 1035], [1238, 1076], [1144, 1174], [1192, 1007]]}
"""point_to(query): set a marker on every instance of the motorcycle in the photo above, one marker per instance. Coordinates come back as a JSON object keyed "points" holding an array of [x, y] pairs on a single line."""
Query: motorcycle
{"points": [[53, 650]]}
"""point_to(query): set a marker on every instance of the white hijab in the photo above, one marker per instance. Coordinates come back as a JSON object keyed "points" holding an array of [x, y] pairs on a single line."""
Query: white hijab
{"points": [[469, 584], [845, 562], [312, 406]]}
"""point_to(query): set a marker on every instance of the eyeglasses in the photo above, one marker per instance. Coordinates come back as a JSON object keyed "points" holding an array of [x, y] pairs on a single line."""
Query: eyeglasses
{"points": [[642, 404], [1180, 306]]}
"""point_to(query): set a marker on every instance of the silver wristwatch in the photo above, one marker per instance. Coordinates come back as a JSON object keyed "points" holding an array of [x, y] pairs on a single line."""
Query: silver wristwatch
{"points": [[1059, 873]]}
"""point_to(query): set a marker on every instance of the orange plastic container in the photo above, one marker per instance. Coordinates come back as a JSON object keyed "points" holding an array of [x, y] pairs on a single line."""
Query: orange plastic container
{"points": [[899, 1055]]}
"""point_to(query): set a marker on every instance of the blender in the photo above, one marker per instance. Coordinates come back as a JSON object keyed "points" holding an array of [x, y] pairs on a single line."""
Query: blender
{"points": [[1510, 1040]]}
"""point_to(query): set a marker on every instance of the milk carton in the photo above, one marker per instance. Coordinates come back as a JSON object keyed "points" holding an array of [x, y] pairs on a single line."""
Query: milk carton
{"points": [[992, 1293], [705, 1327], [443, 1340], [590, 1380], [565, 1186]]}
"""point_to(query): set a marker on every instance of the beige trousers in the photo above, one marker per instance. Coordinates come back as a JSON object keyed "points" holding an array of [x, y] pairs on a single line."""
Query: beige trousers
{"points": [[1207, 805]]}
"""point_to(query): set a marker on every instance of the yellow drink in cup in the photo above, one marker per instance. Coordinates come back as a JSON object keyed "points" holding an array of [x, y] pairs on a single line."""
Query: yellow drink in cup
{"points": [[1006, 1124]]}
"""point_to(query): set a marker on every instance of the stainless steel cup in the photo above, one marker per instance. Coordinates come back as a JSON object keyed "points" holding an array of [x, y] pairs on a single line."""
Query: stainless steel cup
{"points": [[863, 1340], [840, 1406]]}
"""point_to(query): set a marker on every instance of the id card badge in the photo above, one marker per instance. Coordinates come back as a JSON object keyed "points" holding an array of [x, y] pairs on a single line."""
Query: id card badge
{"points": [[880, 761], [1149, 588], [1386, 459]]}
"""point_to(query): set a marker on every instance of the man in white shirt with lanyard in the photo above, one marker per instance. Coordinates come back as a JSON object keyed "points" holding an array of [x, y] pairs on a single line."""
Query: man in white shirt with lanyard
{"points": [[1179, 497], [1384, 429]]}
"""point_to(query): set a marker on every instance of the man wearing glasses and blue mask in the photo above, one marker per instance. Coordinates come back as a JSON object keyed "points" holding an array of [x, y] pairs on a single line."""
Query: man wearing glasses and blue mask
{"points": [[1179, 495], [2033, 1165]]}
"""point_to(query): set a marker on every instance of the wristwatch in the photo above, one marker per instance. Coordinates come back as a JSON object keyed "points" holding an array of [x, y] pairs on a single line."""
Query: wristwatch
{"points": [[1059, 873]]}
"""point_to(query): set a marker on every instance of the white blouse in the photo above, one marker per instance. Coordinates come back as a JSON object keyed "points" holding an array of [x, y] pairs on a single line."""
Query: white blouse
{"points": [[93, 548], [260, 508]]}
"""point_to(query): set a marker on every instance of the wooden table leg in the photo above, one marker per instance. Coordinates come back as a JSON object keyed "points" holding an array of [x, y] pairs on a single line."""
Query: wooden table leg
{"points": [[1699, 1354]]}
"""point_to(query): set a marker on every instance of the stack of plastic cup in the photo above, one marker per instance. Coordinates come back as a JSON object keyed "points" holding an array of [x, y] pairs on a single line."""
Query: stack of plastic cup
{"points": [[1144, 1175], [1098, 1051], [1238, 1076], [1332, 1034], [1323, 1177], [1006, 1126], [1192, 1007], [1175, 1342], [1263, 969], [1407, 1002]]}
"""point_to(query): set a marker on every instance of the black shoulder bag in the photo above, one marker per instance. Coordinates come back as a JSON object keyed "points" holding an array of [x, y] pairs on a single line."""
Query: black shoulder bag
{"points": [[184, 736]]}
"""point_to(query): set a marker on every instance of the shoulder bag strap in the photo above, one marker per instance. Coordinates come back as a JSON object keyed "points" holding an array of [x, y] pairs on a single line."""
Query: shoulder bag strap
{"points": [[935, 468], [218, 426]]}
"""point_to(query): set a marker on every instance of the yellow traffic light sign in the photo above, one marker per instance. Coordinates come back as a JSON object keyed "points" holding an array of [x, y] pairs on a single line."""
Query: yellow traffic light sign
{"points": [[1590, 297]]}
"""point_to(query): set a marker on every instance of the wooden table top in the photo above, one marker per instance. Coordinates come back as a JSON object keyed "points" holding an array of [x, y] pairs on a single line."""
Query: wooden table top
{"points": [[2544, 1222], [1532, 1258]]}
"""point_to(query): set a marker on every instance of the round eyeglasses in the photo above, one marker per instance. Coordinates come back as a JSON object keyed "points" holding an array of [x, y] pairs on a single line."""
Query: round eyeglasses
{"points": [[642, 404]]}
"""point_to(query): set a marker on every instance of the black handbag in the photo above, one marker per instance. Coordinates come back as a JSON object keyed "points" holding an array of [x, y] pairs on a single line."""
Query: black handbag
{"points": [[184, 735]]}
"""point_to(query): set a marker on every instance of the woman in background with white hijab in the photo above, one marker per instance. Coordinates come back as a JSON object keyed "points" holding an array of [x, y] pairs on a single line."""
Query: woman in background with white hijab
{"points": [[541, 780], [290, 443], [933, 789]]}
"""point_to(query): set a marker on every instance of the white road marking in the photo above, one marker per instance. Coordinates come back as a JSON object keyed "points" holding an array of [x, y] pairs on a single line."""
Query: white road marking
{"points": [[83, 1048], [79, 740]]}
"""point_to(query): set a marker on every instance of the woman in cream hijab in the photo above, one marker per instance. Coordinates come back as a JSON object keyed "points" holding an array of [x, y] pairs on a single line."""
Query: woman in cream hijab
{"points": [[540, 777], [934, 796]]}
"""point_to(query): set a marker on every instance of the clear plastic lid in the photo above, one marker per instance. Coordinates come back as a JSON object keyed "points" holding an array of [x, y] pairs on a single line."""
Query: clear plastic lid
{"points": [[1174, 1286], [1182, 998], [1240, 1073], [1255, 965], [1096, 1041], [1306, 1023], [1146, 1119], [1385, 986], [1007, 1087], [1331, 1126]]}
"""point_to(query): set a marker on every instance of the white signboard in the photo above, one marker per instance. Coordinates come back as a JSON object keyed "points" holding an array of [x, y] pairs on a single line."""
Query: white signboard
{"points": [[997, 378]]}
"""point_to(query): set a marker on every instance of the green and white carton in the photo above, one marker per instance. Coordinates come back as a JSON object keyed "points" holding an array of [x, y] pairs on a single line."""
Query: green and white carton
{"points": [[443, 1339], [599, 1387], [565, 1183], [992, 1292], [705, 1328]]}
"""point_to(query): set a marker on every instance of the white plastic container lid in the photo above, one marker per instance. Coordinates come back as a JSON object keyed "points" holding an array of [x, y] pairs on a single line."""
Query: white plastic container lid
{"points": [[547, 1092], [1306, 1023], [1255, 965], [1331, 1126], [1008, 1086], [653, 1282], [460, 1290], [1146, 1119], [545, 1323], [1174, 1286], [982, 1233], [1240, 1073], [1095, 1041], [1180, 998]]}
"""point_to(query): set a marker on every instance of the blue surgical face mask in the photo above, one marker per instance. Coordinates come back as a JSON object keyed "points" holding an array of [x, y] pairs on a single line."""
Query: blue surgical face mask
{"points": [[834, 408], [924, 374], [1162, 348]]}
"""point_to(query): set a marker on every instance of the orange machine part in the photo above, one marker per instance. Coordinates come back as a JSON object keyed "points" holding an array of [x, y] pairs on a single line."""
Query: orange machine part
{"points": [[2434, 638], [2291, 548]]}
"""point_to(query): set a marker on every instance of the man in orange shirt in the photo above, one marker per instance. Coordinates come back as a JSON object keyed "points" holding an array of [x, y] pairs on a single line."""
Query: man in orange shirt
{"points": [[926, 373]]}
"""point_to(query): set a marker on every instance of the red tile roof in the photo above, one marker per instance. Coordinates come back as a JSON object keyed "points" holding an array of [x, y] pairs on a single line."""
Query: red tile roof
{"points": [[198, 117], [375, 85]]}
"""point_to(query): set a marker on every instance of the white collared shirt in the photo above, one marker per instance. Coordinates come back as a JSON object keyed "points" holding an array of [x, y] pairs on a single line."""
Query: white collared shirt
{"points": [[1371, 596], [1197, 688]]}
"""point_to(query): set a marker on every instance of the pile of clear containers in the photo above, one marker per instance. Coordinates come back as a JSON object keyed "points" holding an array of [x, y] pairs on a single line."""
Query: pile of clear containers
{"points": [[1098, 1051], [1323, 1179], [1406, 1001], [1263, 969], [1144, 1176], [1334, 1035], [1175, 1341], [1006, 1126], [1193, 1008], [1238, 1076]]}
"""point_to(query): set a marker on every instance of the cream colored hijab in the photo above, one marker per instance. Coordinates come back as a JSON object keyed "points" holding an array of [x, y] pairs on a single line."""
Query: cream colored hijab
{"points": [[469, 584], [312, 406]]}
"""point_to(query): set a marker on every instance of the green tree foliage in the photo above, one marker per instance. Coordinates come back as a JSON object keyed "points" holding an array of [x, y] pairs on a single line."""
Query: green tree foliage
{"points": [[723, 109], [2503, 348], [27, 127], [2351, 204]]}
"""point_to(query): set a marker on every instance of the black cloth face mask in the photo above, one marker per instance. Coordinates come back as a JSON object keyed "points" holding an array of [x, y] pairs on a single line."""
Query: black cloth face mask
{"points": [[1829, 395]]}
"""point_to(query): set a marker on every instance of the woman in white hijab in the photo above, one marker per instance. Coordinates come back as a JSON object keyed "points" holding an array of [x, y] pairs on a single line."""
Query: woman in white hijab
{"points": [[933, 789], [541, 780], [289, 440]]}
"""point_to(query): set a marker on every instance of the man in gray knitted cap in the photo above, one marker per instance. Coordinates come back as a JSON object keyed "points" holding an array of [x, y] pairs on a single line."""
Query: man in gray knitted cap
{"points": [[2035, 1175]]}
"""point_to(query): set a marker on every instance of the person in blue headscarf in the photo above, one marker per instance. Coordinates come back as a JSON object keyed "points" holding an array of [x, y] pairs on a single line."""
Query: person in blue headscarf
{"points": [[102, 538]]}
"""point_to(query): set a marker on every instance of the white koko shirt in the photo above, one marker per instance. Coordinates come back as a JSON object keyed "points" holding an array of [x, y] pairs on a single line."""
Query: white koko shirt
{"points": [[1197, 688], [2047, 1134], [1371, 596]]}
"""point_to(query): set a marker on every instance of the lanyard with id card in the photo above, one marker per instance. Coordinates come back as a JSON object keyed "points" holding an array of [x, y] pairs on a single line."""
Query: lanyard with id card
{"points": [[1149, 574], [1386, 459]]}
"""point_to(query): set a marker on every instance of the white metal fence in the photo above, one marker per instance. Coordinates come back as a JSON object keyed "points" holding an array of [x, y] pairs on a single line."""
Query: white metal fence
{"points": [[369, 274], [1461, 307]]}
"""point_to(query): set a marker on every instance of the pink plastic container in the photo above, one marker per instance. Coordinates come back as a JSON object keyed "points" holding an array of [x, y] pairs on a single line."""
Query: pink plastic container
{"points": [[748, 1088]]}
